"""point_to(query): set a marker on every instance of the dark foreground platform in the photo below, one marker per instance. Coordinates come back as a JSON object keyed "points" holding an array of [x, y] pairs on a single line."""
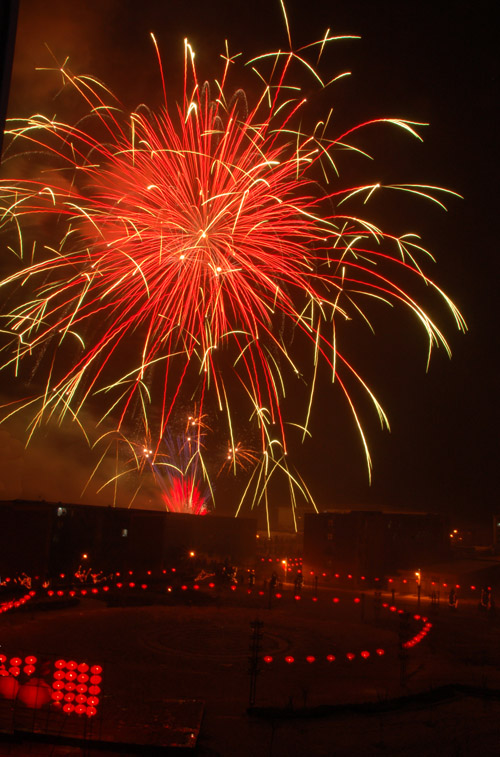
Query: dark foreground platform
{"points": [[172, 725]]}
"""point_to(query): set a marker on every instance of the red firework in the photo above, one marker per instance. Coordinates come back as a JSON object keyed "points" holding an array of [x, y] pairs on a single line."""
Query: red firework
{"points": [[193, 240]]}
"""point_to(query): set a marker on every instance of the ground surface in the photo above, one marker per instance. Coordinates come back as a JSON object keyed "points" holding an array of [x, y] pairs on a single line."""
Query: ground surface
{"points": [[154, 654]]}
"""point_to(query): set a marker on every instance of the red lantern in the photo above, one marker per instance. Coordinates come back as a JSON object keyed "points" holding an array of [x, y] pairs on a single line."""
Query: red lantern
{"points": [[8, 687]]}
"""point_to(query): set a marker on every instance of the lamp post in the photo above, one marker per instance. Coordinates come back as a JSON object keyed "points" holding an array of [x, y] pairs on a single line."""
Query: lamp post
{"points": [[418, 574], [285, 568]]}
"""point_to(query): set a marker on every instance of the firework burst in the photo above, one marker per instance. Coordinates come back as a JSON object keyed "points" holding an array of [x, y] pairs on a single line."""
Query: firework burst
{"points": [[205, 250]]}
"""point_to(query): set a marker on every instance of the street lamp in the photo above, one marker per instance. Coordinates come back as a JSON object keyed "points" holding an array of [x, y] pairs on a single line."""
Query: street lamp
{"points": [[418, 574]]}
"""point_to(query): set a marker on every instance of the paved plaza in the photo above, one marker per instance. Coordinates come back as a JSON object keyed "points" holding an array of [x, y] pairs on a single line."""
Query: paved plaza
{"points": [[187, 664]]}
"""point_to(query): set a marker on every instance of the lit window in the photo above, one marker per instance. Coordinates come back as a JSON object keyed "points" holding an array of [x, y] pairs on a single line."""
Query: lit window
{"points": [[124, 531], [61, 511]]}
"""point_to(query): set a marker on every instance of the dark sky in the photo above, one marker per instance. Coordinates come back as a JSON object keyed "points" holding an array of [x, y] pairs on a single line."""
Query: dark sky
{"points": [[429, 62]]}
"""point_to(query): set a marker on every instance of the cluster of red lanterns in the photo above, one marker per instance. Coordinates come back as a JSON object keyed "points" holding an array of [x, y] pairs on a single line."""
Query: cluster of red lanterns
{"points": [[76, 687]]}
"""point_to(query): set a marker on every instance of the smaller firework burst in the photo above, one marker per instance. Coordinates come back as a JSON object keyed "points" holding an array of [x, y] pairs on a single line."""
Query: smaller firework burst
{"points": [[180, 473]]}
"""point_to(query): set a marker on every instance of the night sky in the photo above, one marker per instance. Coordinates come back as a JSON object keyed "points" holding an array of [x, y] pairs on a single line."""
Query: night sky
{"points": [[433, 63]]}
